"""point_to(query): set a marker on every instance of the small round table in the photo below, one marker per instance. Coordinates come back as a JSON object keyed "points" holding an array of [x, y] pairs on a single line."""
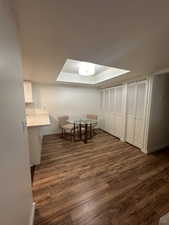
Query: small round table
{"points": [[85, 123]]}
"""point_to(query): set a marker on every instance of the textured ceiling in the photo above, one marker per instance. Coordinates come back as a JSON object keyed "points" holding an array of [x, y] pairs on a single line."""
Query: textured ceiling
{"points": [[132, 35]]}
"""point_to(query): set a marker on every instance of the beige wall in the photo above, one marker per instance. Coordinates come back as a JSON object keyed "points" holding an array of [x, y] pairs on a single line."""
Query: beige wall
{"points": [[61, 100], [15, 185], [159, 114]]}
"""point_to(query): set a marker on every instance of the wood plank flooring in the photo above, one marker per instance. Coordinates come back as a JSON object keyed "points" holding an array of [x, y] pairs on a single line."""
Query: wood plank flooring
{"points": [[104, 182]]}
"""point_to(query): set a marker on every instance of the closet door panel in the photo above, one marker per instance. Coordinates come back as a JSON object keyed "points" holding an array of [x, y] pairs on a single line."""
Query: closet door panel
{"points": [[119, 124], [118, 111], [140, 114], [139, 133], [101, 119], [106, 122], [130, 130], [112, 99], [102, 101], [102, 122], [106, 108], [112, 111], [131, 110], [111, 124], [109, 112]]}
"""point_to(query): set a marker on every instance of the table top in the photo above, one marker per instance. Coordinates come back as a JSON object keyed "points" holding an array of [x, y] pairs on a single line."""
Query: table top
{"points": [[82, 121]]}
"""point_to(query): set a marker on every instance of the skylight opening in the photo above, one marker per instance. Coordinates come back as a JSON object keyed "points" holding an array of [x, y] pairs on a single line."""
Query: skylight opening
{"points": [[86, 69], [82, 72]]}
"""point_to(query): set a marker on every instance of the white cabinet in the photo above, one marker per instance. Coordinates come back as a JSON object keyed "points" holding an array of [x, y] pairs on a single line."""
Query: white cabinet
{"points": [[34, 138], [28, 92], [135, 116]]}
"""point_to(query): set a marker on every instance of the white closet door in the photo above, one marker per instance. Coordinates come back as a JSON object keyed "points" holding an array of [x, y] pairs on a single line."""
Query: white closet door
{"points": [[131, 111], [112, 111], [140, 114], [109, 111], [118, 120], [112, 100], [106, 110], [135, 118], [102, 105], [101, 100]]}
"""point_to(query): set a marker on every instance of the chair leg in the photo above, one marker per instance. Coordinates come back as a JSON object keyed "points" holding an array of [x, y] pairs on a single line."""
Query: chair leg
{"points": [[62, 135], [73, 135], [86, 134], [93, 132], [74, 132]]}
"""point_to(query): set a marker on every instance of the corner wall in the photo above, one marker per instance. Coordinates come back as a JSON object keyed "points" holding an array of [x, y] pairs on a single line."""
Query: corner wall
{"points": [[15, 182], [158, 136]]}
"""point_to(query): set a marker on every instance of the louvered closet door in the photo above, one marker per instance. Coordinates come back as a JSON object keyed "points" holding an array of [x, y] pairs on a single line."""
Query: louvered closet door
{"points": [[131, 111], [108, 111], [112, 111], [140, 114], [102, 104], [106, 114], [118, 120]]}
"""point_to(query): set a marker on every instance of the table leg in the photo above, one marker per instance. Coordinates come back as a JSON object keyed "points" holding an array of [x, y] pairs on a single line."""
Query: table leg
{"points": [[80, 131], [90, 130], [74, 132], [62, 133], [85, 140]]}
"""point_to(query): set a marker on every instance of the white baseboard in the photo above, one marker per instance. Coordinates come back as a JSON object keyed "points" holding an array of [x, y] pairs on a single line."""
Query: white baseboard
{"points": [[144, 150], [32, 214], [122, 139]]}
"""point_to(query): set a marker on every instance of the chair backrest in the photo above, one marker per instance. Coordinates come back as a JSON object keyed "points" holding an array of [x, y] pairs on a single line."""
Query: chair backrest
{"points": [[91, 116], [63, 120]]}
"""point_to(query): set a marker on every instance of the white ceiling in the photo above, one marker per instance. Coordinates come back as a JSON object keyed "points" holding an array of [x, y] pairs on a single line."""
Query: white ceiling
{"points": [[132, 35]]}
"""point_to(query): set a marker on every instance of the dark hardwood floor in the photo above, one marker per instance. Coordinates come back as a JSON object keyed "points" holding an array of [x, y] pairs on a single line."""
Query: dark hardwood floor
{"points": [[104, 182]]}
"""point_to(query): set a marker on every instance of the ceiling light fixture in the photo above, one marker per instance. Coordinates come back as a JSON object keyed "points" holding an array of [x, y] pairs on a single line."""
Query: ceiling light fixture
{"points": [[86, 69]]}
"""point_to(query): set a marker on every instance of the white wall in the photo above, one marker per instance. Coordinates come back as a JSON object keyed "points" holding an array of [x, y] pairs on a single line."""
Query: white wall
{"points": [[15, 185], [158, 136], [65, 100]]}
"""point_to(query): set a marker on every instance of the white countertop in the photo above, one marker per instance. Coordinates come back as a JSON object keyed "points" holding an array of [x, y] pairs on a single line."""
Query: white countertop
{"points": [[37, 117]]}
